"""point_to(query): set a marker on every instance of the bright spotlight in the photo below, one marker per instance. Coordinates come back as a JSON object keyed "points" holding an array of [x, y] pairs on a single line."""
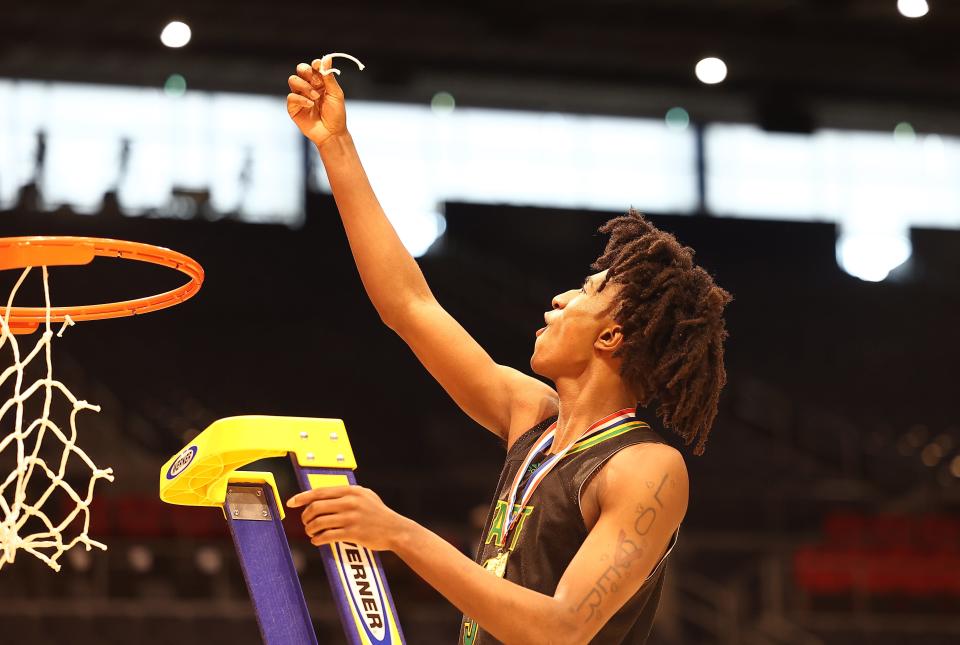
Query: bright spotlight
{"points": [[913, 8], [175, 34], [711, 70], [872, 256]]}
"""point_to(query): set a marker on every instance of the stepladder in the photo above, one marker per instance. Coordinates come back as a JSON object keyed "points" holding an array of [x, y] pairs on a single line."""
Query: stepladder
{"points": [[207, 472]]}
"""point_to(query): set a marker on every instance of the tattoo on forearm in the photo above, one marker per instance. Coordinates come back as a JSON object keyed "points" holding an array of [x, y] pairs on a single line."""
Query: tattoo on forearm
{"points": [[626, 553]]}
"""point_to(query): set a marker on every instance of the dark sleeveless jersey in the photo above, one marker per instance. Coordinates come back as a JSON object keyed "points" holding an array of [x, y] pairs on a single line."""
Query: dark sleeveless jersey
{"points": [[551, 530]]}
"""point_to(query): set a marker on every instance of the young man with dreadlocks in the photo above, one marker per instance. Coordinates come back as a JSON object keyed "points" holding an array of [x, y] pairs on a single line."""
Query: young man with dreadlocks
{"points": [[590, 498]]}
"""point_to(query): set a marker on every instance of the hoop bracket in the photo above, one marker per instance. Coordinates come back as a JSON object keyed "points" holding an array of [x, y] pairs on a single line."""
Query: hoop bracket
{"points": [[22, 252], [37, 250]]}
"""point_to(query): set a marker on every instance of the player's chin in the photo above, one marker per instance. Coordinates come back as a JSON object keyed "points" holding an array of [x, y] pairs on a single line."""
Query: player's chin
{"points": [[537, 363]]}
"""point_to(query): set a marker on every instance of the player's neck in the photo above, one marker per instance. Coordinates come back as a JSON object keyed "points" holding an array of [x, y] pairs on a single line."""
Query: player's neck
{"points": [[585, 400]]}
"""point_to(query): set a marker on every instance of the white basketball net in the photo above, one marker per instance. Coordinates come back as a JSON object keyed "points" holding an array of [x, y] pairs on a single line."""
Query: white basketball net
{"points": [[46, 542]]}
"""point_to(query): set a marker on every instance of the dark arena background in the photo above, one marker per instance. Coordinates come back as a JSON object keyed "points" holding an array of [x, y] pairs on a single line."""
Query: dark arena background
{"points": [[815, 170]]}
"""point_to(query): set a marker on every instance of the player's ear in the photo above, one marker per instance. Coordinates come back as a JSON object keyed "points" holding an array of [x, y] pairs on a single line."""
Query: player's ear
{"points": [[610, 338]]}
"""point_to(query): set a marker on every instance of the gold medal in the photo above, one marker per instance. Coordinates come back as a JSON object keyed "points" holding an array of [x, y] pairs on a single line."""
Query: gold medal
{"points": [[497, 565]]}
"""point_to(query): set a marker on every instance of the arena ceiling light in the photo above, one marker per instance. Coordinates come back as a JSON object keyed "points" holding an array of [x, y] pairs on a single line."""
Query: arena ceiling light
{"points": [[711, 70], [175, 34], [913, 8], [871, 256]]}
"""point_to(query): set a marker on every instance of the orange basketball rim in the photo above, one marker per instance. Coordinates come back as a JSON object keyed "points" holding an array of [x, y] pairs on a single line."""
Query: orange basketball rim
{"points": [[37, 251]]}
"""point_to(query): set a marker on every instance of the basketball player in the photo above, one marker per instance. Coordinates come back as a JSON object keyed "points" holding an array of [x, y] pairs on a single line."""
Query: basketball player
{"points": [[590, 498]]}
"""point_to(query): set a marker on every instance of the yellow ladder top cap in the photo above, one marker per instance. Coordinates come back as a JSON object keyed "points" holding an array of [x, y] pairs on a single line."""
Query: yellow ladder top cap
{"points": [[198, 474]]}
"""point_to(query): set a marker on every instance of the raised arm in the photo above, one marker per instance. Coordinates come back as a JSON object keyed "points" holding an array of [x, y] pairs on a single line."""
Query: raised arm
{"points": [[501, 399]]}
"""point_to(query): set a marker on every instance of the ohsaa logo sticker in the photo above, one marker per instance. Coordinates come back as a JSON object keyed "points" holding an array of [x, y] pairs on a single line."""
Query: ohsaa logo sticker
{"points": [[363, 589], [180, 463]]}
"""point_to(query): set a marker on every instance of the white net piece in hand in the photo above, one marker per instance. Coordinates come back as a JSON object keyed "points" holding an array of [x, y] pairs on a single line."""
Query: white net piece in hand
{"points": [[47, 540], [334, 70]]}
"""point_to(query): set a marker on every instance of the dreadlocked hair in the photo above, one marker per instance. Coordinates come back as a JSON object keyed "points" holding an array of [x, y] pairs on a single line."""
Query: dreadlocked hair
{"points": [[671, 312]]}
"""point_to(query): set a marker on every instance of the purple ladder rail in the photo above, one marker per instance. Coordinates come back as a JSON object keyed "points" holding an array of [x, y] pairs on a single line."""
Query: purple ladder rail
{"points": [[267, 565], [366, 593]]}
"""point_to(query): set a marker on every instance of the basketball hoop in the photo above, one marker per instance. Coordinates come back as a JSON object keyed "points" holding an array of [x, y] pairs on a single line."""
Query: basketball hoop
{"points": [[34, 251], [19, 502]]}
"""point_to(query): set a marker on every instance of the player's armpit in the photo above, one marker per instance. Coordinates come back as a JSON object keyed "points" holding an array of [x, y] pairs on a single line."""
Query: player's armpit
{"points": [[643, 500], [499, 398]]}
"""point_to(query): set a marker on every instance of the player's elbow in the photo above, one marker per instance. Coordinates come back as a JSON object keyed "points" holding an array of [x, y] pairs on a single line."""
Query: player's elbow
{"points": [[396, 319], [405, 316], [392, 322]]}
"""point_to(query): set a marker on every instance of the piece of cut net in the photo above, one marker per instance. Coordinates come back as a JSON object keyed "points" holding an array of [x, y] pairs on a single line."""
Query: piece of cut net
{"points": [[24, 526]]}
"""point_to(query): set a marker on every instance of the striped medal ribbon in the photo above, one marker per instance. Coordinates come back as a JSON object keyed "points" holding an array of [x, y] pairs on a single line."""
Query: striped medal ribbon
{"points": [[609, 422]]}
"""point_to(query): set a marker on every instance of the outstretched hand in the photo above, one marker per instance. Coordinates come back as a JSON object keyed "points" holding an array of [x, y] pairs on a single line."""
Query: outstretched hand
{"points": [[315, 102], [348, 514]]}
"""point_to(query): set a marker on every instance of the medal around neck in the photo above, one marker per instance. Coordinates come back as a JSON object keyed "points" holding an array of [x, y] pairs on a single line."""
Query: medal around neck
{"points": [[618, 418], [497, 565]]}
